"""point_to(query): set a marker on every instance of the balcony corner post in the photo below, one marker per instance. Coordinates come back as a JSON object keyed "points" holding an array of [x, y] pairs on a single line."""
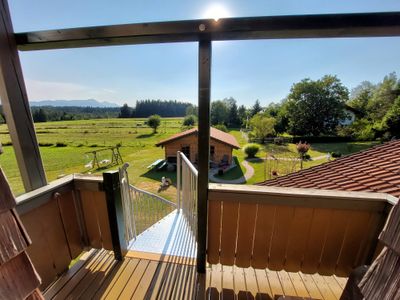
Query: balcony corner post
{"points": [[205, 47], [112, 188]]}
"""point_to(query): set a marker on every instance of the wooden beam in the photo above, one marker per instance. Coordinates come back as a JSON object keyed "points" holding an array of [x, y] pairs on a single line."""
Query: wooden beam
{"points": [[273, 27], [203, 150], [16, 107]]}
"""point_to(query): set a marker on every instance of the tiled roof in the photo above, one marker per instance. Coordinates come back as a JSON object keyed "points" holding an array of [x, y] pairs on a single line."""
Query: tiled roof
{"points": [[373, 170], [214, 134]]}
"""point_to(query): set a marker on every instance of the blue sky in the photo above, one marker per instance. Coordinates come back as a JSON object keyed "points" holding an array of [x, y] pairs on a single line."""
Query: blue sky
{"points": [[245, 70]]}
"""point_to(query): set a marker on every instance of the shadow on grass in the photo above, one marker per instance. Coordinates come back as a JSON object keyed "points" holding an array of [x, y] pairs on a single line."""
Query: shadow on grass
{"points": [[145, 135], [254, 160], [157, 175], [343, 148], [234, 173]]}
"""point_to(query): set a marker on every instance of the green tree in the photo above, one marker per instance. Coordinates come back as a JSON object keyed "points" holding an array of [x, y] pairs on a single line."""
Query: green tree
{"points": [[219, 112], [39, 116], [391, 121], [315, 107], [125, 111], [361, 95], [154, 122], [256, 108], [242, 115], [189, 120], [192, 110], [233, 118], [262, 127]]}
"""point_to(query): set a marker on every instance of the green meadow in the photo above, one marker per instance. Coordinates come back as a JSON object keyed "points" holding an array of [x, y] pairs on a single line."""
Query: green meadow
{"points": [[65, 148]]}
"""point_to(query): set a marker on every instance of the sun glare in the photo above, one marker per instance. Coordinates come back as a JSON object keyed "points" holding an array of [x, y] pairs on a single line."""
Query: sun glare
{"points": [[216, 11]]}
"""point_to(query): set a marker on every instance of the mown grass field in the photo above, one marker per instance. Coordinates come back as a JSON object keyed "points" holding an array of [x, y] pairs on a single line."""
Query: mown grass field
{"points": [[76, 138]]}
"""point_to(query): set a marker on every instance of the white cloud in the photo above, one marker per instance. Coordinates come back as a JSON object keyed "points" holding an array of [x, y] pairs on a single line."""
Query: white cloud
{"points": [[49, 90]]}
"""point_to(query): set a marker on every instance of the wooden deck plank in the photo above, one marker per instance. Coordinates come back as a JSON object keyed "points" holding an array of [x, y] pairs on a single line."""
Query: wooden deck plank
{"points": [[134, 279], [74, 281], [287, 284], [191, 281], [333, 285], [239, 283], [85, 258], [157, 281], [228, 287], [274, 282], [146, 280], [323, 288], [251, 282], [310, 285], [169, 281], [111, 280], [120, 284], [90, 277], [341, 281], [298, 284], [263, 285]]}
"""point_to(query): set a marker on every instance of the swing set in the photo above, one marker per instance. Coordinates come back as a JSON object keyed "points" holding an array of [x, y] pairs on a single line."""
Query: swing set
{"points": [[116, 158]]}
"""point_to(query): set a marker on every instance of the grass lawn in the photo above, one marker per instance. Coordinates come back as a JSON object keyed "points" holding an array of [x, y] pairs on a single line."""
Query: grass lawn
{"points": [[263, 168], [138, 149]]}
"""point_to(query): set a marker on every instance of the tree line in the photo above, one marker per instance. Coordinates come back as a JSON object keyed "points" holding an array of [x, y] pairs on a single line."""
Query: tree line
{"points": [[145, 108], [320, 108]]}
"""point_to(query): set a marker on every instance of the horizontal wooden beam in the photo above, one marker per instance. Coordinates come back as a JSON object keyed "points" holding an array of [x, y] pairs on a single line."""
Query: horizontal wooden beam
{"points": [[273, 27]]}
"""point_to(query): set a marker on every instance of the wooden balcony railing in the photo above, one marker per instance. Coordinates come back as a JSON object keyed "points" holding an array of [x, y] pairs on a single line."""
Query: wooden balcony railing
{"points": [[312, 231], [62, 218]]}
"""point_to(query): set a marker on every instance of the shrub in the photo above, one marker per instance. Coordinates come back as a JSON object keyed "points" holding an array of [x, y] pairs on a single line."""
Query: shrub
{"points": [[336, 154], [154, 122], [307, 157], [189, 120], [221, 127], [251, 150], [61, 144]]}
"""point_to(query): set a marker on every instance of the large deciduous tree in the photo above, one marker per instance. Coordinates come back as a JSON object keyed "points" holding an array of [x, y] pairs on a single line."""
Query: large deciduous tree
{"points": [[315, 107], [154, 122], [262, 127], [219, 112]]}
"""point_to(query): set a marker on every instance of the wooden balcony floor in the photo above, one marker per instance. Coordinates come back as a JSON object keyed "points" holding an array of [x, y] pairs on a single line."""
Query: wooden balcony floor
{"points": [[148, 276]]}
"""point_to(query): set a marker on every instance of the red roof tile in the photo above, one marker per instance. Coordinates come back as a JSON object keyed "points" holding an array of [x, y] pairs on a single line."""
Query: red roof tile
{"points": [[215, 134], [375, 170]]}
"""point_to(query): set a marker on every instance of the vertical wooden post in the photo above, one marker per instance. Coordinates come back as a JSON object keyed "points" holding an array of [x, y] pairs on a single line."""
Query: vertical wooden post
{"points": [[112, 189], [203, 150], [16, 107]]}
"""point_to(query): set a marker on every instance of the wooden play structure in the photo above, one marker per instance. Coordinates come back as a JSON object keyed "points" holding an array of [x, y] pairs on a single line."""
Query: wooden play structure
{"points": [[116, 158]]}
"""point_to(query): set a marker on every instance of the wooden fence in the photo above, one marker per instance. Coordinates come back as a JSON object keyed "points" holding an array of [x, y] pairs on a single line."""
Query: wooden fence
{"points": [[328, 232]]}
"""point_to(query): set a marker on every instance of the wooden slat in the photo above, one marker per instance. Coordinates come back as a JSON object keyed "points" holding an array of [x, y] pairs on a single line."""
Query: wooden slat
{"points": [[70, 222], [214, 231], [298, 236], [7, 198], [134, 280], [298, 284], [316, 240], [84, 259], [356, 232], [145, 283], [310, 285], [110, 281], [18, 278], [157, 281], [246, 227], [90, 215], [119, 285], [251, 283], [263, 285], [333, 286], [229, 232], [274, 282], [76, 279], [239, 283], [283, 220], [263, 235], [287, 284], [323, 288], [12, 240], [216, 277], [102, 219], [340, 220], [228, 287]]}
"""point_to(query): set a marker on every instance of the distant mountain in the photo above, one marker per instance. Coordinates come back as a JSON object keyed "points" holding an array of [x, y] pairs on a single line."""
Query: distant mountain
{"points": [[82, 103]]}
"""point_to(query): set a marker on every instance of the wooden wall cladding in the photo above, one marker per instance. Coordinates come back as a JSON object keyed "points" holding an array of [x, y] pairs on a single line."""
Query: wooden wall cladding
{"points": [[55, 234], [292, 238], [95, 214]]}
